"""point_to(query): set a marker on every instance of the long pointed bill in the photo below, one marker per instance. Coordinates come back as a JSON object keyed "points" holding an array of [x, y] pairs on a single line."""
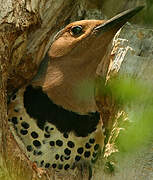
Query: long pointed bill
{"points": [[118, 21]]}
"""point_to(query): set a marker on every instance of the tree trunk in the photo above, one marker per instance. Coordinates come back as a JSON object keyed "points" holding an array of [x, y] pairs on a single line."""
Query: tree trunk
{"points": [[26, 31]]}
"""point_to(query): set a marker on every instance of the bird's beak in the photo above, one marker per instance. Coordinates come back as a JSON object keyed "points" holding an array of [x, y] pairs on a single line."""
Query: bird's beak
{"points": [[118, 21]]}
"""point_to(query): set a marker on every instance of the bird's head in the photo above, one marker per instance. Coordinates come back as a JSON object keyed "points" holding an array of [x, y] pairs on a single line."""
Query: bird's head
{"points": [[74, 56], [79, 39]]}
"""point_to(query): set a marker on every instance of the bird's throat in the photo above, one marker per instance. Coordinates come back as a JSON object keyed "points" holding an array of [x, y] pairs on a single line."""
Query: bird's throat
{"points": [[69, 85]]}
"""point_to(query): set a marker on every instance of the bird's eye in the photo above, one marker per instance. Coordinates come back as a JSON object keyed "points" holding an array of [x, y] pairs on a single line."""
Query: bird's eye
{"points": [[76, 30]]}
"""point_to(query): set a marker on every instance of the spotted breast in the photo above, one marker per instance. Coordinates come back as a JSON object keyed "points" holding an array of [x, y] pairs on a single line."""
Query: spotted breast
{"points": [[52, 122], [51, 136]]}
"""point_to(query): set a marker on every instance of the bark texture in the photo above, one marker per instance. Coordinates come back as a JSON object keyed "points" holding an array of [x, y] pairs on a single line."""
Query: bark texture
{"points": [[131, 58], [27, 28]]}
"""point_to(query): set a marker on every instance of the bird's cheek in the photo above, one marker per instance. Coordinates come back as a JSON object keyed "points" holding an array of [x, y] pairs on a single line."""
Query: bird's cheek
{"points": [[60, 47]]}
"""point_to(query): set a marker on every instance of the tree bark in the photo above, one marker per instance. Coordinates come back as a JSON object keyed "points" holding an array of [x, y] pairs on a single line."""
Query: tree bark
{"points": [[131, 58], [26, 31]]}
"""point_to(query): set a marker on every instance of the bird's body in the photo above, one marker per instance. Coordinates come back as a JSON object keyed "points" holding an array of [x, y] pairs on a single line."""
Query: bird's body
{"points": [[51, 122], [59, 139]]}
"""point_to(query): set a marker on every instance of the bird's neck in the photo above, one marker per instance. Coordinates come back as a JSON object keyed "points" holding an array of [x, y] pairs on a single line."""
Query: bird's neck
{"points": [[77, 96], [70, 87]]}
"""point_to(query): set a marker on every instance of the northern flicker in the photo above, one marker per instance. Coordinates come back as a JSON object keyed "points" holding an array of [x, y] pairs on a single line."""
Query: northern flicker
{"points": [[53, 127]]}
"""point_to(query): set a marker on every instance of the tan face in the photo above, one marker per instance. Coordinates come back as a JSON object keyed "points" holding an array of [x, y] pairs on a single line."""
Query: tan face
{"points": [[74, 56], [71, 37]]}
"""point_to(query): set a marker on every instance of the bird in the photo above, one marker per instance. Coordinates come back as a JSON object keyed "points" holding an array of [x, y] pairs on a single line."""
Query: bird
{"points": [[52, 123]]}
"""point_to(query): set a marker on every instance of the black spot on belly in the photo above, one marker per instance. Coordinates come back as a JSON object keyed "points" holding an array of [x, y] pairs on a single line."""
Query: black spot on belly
{"points": [[54, 165], [46, 135], [65, 135], [87, 154], [96, 147], [67, 151], [94, 154], [39, 153], [70, 144], [59, 143], [67, 157], [80, 150], [56, 156], [36, 143], [77, 158], [64, 120], [52, 143], [41, 163], [23, 132], [46, 129], [88, 146], [43, 141], [47, 165], [25, 125], [62, 158], [20, 118], [14, 120], [34, 152], [34, 134], [66, 166], [92, 140], [29, 148]]}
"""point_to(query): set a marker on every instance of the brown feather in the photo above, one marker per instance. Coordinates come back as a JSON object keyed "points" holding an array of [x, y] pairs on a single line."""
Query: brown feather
{"points": [[74, 60]]}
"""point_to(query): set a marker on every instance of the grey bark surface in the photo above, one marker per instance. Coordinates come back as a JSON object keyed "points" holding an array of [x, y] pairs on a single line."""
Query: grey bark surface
{"points": [[27, 28], [133, 57]]}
